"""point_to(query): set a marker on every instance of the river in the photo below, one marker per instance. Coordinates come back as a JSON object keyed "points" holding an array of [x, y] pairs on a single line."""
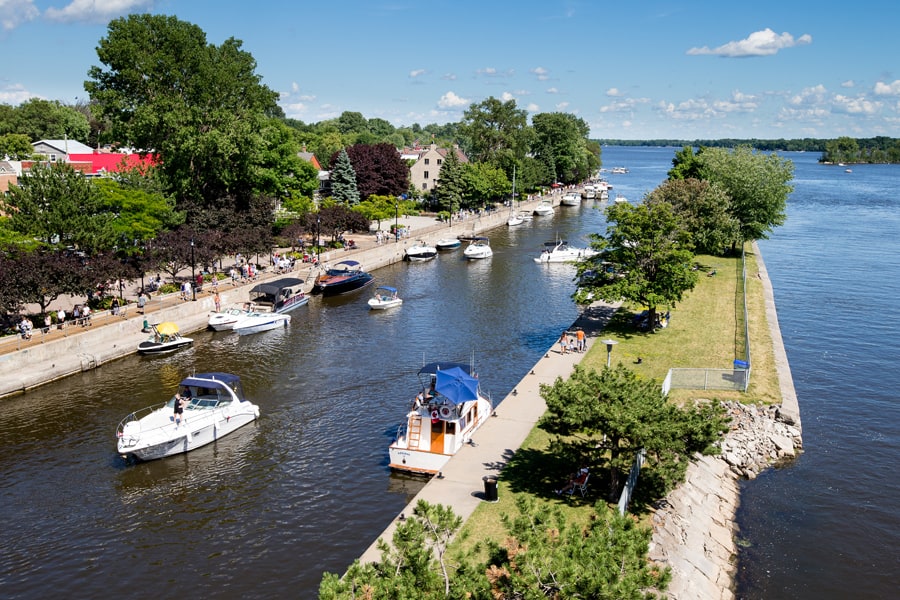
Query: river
{"points": [[306, 489]]}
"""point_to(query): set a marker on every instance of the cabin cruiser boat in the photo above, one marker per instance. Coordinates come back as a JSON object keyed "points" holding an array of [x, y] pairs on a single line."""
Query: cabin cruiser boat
{"points": [[570, 199], [278, 296], [620, 199], [479, 247], [225, 320], [385, 297], [344, 277], [449, 408], [448, 244], [213, 406], [515, 219], [164, 338], [420, 252], [544, 209], [526, 215], [560, 252], [256, 321]]}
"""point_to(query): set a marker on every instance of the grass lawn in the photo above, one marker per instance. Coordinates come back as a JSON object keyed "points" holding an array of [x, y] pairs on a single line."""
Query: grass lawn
{"points": [[705, 330]]}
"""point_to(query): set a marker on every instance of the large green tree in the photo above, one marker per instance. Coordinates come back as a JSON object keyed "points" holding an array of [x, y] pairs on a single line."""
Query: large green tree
{"points": [[343, 180], [703, 208], [40, 119], [757, 183], [613, 414], [15, 146], [645, 257], [484, 183], [451, 187], [497, 132], [562, 144], [200, 107]]}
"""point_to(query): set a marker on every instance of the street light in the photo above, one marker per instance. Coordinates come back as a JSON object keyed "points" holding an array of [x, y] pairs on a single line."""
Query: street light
{"points": [[193, 275], [609, 347], [318, 246], [396, 221]]}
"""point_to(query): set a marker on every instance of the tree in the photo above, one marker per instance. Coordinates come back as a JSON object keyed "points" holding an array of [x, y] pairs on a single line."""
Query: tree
{"points": [[201, 108], [562, 143], [451, 187], [844, 149], [496, 132], [483, 183], [15, 146], [42, 276], [60, 207], [334, 220], [141, 214], [377, 208], [379, 170], [613, 414], [758, 184], [40, 119], [686, 164], [645, 258], [343, 180], [703, 209]]}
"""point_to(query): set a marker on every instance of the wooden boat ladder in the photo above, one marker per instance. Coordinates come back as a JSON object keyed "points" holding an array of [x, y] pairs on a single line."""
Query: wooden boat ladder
{"points": [[415, 432]]}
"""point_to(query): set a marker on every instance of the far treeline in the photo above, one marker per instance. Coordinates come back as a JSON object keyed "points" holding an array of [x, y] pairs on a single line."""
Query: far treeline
{"points": [[876, 150]]}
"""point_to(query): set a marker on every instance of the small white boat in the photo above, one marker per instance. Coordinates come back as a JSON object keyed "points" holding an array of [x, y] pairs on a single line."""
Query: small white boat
{"points": [[449, 408], [620, 199], [420, 252], [256, 322], [213, 406], [385, 297], [448, 244], [544, 209], [479, 247], [515, 219], [225, 320], [163, 339], [560, 252], [570, 199], [526, 215]]}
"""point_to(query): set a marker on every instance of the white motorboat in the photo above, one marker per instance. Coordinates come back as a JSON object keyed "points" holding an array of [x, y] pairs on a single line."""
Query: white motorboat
{"points": [[544, 209], [515, 218], [449, 408], [164, 338], [620, 199], [560, 252], [256, 321], [420, 252], [448, 244], [385, 297], [225, 320], [570, 199], [526, 215], [479, 247], [278, 296], [213, 406]]}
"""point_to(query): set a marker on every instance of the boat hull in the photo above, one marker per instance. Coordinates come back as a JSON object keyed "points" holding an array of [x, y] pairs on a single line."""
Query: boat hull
{"points": [[260, 323], [336, 288], [149, 348], [191, 437], [448, 244]]}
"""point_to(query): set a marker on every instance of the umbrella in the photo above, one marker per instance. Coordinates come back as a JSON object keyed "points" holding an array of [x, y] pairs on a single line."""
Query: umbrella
{"points": [[457, 385], [167, 328]]}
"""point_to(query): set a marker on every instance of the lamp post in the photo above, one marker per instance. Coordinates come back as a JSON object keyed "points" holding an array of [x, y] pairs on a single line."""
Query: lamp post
{"points": [[318, 222], [193, 275], [396, 221], [609, 347]]}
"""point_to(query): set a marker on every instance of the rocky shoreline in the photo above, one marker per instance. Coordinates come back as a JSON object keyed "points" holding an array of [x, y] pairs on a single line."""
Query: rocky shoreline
{"points": [[693, 527]]}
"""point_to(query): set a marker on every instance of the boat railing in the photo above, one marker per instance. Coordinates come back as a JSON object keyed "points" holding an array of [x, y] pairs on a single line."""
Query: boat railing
{"points": [[137, 416]]}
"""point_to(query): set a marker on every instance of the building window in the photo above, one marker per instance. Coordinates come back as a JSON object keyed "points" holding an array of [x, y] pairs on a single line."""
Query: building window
{"points": [[426, 161], [425, 176], [52, 158], [440, 162], [425, 186]]}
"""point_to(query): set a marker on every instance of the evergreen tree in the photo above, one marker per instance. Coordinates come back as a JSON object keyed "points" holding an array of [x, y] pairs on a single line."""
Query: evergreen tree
{"points": [[343, 180], [451, 186]]}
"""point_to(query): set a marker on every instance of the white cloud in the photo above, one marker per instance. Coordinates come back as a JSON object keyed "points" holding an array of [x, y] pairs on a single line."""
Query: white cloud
{"points": [[614, 93], [541, 73], [810, 95], [506, 97], [552, 90], [562, 106], [416, 73], [623, 105], [532, 108], [15, 12], [94, 11], [451, 100], [492, 72], [758, 43], [855, 106], [848, 84], [888, 89], [15, 94]]}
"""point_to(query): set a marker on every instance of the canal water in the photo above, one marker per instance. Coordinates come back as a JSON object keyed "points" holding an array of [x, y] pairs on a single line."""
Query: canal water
{"points": [[306, 489]]}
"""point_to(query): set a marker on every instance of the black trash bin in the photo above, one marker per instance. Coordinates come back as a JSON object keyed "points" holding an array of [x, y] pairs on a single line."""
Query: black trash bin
{"points": [[490, 488]]}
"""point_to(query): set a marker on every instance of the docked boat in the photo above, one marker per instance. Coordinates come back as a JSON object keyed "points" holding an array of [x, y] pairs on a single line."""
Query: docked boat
{"points": [[344, 277], [448, 244], [570, 199], [225, 320], [385, 297], [526, 215], [560, 252], [212, 404], [278, 296], [164, 338], [515, 218], [620, 199], [446, 412], [544, 209], [256, 322], [479, 247], [420, 252]]}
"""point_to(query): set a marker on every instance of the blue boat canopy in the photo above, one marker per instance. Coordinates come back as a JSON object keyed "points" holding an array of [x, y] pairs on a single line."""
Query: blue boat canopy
{"points": [[387, 288], [433, 368], [203, 380]]}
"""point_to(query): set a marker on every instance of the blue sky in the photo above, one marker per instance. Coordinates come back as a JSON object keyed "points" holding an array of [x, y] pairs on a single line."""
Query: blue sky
{"points": [[631, 70]]}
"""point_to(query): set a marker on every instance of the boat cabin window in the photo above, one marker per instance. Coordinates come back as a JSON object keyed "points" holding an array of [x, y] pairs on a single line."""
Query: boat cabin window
{"points": [[451, 428]]}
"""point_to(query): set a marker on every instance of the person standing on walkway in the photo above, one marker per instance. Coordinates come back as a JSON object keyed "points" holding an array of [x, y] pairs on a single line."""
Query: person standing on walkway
{"points": [[218, 302], [564, 343], [579, 336], [142, 302]]}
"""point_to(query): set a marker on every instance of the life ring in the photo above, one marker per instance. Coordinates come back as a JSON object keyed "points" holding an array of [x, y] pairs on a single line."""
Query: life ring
{"points": [[446, 412], [434, 415]]}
